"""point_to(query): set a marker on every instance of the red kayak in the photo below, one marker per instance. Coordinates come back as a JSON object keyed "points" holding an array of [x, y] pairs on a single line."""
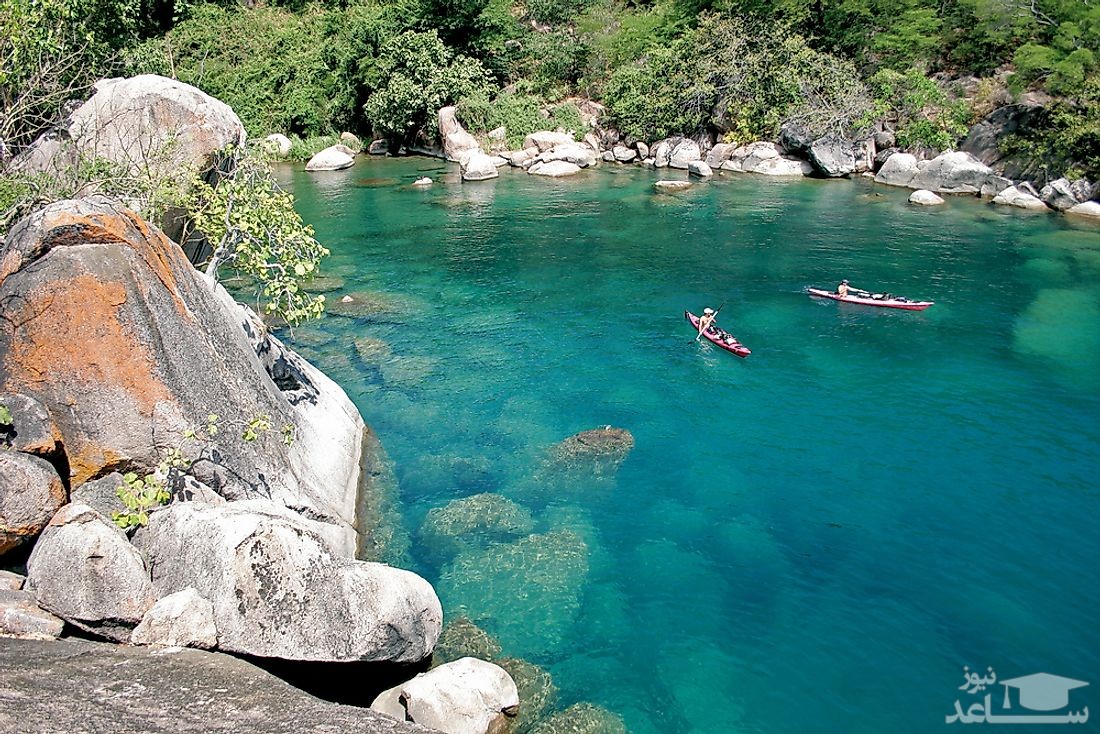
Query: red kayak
{"points": [[884, 300], [719, 337]]}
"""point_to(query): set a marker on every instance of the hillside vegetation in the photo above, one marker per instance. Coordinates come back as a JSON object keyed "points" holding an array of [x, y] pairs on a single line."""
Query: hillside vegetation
{"points": [[736, 69]]}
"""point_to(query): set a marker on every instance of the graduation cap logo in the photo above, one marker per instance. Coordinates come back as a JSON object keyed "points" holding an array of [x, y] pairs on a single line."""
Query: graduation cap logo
{"points": [[1041, 691]]}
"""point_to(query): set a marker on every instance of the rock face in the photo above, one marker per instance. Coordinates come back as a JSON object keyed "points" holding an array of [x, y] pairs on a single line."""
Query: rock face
{"points": [[129, 346], [468, 696], [20, 617], [32, 430], [85, 571], [984, 139], [331, 158], [554, 169], [1012, 196], [458, 145], [30, 494], [183, 619], [923, 197], [953, 172], [46, 688], [832, 156], [277, 590], [478, 167], [146, 122]]}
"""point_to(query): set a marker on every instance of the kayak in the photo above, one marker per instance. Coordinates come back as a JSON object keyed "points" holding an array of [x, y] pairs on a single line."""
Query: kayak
{"points": [[719, 337], [886, 301]]}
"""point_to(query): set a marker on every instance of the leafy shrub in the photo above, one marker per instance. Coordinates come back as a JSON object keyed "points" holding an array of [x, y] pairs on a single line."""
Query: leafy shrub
{"points": [[303, 150], [518, 114], [567, 117], [926, 116]]}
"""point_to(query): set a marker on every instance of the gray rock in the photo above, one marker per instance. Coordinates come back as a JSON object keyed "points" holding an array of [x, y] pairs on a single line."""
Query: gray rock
{"points": [[832, 156], [984, 140], [85, 571], [1082, 189], [994, 185], [545, 140], [20, 617], [467, 696], [182, 619], [278, 144], [30, 494], [554, 169], [884, 140], [522, 158], [882, 155], [643, 149], [1027, 188], [11, 581], [623, 154], [423, 181], [478, 167], [719, 154], [32, 430], [582, 718], [101, 494], [331, 158], [700, 169], [48, 687], [278, 590], [898, 170], [1090, 209], [378, 147], [1059, 195], [662, 152], [925, 198], [672, 186], [752, 155], [608, 156], [953, 172], [683, 153], [795, 139], [1012, 196], [575, 153], [593, 142], [458, 145]]}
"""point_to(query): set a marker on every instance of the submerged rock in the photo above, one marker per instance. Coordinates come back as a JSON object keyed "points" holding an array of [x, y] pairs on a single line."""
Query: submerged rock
{"points": [[325, 284], [480, 519], [462, 638], [537, 692], [467, 696], [84, 570], [672, 186], [30, 494], [371, 350], [365, 304], [600, 450], [582, 718], [529, 590], [924, 197]]}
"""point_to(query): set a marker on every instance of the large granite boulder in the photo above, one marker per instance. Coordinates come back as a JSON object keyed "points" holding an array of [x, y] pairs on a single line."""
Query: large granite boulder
{"points": [[623, 154], [94, 688], [84, 570], [554, 169], [575, 153], [782, 166], [458, 145], [182, 619], [795, 139], [545, 140], [953, 172], [128, 347], [332, 158], [22, 618], [899, 169], [30, 494], [1012, 196], [832, 156], [478, 167], [152, 125], [278, 590], [700, 169], [719, 154], [468, 696], [683, 153]]}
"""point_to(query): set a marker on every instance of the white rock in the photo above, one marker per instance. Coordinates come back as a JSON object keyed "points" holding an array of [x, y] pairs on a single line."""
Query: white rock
{"points": [[699, 168], [953, 172], [422, 181], [781, 166], [1086, 209], [278, 144], [182, 619], [683, 153], [458, 145], [923, 197], [468, 696], [672, 185], [898, 170], [1012, 196], [554, 169], [478, 167], [521, 158], [331, 159], [623, 154], [580, 155], [545, 140], [719, 154]]}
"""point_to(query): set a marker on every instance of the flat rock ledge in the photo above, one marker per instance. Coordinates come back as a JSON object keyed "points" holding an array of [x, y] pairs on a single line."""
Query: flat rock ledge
{"points": [[64, 686]]}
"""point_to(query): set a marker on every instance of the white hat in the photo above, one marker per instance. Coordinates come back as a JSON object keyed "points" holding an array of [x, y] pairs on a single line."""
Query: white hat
{"points": [[708, 311]]}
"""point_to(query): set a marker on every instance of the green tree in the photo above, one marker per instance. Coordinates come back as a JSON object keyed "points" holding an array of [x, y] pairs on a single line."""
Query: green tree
{"points": [[416, 74]]}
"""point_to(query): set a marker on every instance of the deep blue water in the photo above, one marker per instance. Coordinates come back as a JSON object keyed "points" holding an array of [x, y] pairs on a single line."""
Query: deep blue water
{"points": [[817, 538]]}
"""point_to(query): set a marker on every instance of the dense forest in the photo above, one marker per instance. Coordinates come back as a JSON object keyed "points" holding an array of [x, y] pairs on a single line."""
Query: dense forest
{"points": [[732, 69]]}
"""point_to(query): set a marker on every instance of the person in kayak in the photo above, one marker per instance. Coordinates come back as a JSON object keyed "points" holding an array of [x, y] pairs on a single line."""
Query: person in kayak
{"points": [[842, 289], [705, 321]]}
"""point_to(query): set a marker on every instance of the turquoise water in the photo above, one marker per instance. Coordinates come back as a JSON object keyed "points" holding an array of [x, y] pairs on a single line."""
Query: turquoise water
{"points": [[817, 538]]}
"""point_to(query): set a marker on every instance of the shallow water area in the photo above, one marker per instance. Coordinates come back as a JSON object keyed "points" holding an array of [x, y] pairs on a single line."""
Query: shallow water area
{"points": [[816, 538]]}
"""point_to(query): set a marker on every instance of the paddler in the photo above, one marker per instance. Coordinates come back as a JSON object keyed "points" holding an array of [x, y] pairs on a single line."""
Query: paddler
{"points": [[842, 289], [708, 317]]}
